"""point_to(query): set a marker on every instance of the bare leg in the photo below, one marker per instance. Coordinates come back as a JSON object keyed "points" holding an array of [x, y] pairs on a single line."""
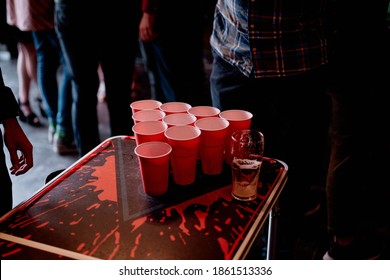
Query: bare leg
{"points": [[102, 86], [27, 74]]}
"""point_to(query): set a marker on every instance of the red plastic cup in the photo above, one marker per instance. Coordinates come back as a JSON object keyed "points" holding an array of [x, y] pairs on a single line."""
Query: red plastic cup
{"points": [[204, 111], [149, 131], [175, 107], [179, 119], [238, 120], [212, 143], [145, 104], [153, 159], [184, 141], [148, 115]]}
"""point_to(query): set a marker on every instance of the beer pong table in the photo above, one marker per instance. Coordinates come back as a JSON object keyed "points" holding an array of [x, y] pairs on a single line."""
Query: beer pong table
{"points": [[96, 209]]}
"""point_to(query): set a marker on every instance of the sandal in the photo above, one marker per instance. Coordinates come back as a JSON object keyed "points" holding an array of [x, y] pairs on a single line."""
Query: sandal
{"points": [[32, 119]]}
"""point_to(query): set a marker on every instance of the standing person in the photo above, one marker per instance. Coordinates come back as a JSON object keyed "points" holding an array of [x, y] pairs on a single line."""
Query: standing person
{"points": [[179, 68], [147, 54], [19, 18], [357, 185], [57, 96], [19, 147], [88, 37], [270, 58], [6, 36]]}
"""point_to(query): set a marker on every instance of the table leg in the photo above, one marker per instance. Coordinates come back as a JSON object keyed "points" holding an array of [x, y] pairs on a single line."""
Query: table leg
{"points": [[272, 232]]}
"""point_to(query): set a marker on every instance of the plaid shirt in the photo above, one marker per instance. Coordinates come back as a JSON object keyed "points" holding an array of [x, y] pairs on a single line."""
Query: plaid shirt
{"points": [[270, 38]]}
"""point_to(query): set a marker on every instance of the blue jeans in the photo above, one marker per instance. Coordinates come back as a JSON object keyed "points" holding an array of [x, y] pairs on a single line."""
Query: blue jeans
{"points": [[57, 98], [107, 34], [149, 60], [178, 57], [230, 89]]}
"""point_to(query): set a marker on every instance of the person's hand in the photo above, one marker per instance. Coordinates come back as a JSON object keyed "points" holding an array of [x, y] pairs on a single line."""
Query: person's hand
{"points": [[19, 147], [146, 32]]}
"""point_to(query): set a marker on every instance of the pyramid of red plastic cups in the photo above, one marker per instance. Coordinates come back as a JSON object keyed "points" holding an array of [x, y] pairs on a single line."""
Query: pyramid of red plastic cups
{"points": [[172, 136]]}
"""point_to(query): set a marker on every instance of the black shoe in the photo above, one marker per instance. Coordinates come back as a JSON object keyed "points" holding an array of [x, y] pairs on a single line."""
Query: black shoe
{"points": [[32, 119]]}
